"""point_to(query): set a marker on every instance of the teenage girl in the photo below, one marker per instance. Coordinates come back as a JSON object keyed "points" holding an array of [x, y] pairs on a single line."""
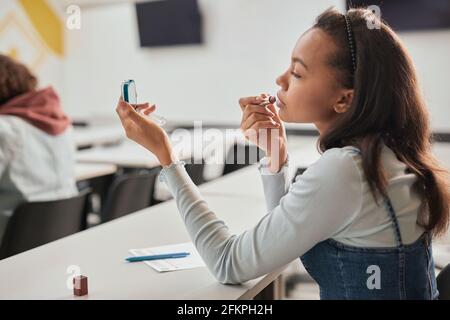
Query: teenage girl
{"points": [[373, 201]]}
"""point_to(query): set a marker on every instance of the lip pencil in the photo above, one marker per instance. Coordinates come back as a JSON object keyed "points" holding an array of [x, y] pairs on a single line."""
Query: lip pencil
{"points": [[158, 256], [268, 100]]}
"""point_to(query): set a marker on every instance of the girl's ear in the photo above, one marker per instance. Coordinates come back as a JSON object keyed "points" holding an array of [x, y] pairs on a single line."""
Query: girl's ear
{"points": [[344, 101]]}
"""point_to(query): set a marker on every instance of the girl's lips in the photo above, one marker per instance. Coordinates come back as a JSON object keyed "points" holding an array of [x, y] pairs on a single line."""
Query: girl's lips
{"points": [[280, 102]]}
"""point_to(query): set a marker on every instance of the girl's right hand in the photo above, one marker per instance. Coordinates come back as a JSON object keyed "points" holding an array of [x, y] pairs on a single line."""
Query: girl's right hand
{"points": [[145, 131], [262, 126]]}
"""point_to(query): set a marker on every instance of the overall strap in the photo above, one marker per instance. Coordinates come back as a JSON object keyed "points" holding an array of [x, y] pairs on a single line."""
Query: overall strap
{"points": [[391, 212], [400, 246], [393, 216]]}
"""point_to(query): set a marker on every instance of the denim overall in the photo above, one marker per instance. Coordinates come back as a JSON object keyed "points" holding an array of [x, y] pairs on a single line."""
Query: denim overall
{"points": [[348, 272]]}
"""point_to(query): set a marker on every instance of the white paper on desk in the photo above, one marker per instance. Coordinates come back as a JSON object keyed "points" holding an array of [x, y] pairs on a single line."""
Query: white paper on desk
{"points": [[191, 261]]}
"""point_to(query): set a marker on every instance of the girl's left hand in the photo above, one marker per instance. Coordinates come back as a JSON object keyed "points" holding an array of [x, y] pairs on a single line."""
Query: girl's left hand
{"points": [[144, 131]]}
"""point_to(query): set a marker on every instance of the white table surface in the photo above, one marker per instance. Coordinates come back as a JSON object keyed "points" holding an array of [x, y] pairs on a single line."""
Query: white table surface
{"points": [[98, 135], [84, 171], [126, 154], [99, 252], [442, 152], [130, 154], [302, 153], [41, 273]]}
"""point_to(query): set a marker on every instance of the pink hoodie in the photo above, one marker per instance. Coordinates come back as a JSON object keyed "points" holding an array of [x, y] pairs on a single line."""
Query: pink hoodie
{"points": [[41, 108]]}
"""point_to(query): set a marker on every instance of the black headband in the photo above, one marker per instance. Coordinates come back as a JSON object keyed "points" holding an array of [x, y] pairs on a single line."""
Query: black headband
{"points": [[351, 41]]}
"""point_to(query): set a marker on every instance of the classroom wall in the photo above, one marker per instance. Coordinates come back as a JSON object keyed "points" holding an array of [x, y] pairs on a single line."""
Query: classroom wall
{"points": [[32, 31], [430, 51], [189, 82], [247, 45]]}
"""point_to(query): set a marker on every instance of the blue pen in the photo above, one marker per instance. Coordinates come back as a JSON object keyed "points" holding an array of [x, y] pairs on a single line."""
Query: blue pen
{"points": [[158, 256]]}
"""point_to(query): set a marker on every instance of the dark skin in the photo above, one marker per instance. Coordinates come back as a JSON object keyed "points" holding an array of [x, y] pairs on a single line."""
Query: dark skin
{"points": [[309, 93]]}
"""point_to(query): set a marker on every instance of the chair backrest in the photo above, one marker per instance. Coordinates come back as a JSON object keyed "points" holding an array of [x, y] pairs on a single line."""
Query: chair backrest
{"points": [[36, 223], [129, 193], [443, 283], [240, 156], [195, 171]]}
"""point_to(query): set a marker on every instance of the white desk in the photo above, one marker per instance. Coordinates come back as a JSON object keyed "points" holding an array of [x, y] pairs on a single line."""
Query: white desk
{"points": [[302, 153], [41, 273], [85, 171], [305, 153], [132, 155], [99, 252], [126, 154], [98, 135], [442, 153]]}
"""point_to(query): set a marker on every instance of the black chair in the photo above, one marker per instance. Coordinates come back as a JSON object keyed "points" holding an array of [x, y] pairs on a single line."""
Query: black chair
{"points": [[128, 193], [195, 171], [239, 156], [36, 223], [443, 283]]}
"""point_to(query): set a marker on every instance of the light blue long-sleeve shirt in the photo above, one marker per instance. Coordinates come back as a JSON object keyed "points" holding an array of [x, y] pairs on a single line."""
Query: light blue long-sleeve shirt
{"points": [[331, 199]]}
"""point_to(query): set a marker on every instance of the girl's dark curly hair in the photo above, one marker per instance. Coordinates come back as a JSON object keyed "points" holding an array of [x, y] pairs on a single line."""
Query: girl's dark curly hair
{"points": [[15, 79]]}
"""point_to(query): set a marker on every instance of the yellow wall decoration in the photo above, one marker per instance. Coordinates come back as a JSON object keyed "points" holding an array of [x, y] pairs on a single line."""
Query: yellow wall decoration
{"points": [[47, 24], [34, 46], [13, 53]]}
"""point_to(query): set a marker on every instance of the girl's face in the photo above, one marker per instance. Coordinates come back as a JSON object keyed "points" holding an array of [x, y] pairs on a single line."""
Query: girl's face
{"points": [[309, 90]]}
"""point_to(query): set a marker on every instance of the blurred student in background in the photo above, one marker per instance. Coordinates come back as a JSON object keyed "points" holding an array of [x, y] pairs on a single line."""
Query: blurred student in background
{"points": [[36, 145]]}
